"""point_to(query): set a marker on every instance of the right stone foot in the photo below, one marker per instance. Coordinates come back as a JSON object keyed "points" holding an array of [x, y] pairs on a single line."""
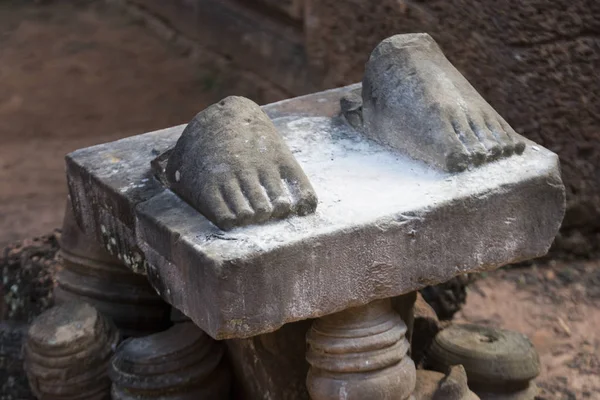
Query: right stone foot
{"points": [[414, 100]]}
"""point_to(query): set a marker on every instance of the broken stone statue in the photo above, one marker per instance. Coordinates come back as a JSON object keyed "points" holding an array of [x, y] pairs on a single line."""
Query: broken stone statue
{"points": [[427, 182]]}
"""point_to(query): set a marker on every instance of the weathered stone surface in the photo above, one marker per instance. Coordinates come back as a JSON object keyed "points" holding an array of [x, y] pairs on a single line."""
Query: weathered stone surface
{"points": [[416, 102], [272, 365], [232, 165], [94, 276], [352, 108], [67, 352], [385, 224], [534, 61]]}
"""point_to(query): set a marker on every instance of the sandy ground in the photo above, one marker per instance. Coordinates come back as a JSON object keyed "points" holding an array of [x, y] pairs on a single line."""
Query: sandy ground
{"points": [[74, 74], [558, 307], [79, 73]]}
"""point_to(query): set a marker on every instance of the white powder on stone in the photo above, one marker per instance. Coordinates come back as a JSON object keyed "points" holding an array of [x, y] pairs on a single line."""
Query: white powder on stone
{"points": [[359, 182]]}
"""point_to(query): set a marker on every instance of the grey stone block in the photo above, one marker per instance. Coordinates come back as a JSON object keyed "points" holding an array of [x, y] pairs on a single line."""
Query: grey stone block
{"points": [[385, 224]]}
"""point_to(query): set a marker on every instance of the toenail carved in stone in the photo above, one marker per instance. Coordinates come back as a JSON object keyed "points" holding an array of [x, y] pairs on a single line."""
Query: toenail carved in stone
{"points": [[415, 101], [233, 166]]}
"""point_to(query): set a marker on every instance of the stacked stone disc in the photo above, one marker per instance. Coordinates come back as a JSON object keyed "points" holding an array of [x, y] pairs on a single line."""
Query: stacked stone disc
{"points": [[500, 364], [179, 363], [94, 276], [67, 353]]}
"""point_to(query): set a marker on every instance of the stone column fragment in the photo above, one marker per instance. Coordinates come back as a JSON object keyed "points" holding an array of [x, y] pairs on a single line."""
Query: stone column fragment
{"points": [[67, 352], [360, 353]]}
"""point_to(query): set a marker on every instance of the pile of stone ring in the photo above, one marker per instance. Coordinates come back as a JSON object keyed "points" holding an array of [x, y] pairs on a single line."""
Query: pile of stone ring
{"points": [[67, 352], [69, 356]]}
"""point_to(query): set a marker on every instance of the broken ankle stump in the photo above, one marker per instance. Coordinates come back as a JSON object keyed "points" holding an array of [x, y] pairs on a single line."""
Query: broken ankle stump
{"points": [[500, 364], [180, 363], [408, 199], [67, 352], [94, 276]]}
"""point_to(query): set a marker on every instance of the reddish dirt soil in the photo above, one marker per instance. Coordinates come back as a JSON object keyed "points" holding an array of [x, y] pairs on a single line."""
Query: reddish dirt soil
{"points": [[558, 307], [78, 73]]}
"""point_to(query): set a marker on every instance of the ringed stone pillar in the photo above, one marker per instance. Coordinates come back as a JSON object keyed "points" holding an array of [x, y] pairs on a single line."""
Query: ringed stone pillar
{"points": [[360, 353]]}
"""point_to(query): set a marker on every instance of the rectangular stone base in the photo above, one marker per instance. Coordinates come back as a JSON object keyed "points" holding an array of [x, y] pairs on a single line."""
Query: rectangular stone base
{"points": [[385, 224]]}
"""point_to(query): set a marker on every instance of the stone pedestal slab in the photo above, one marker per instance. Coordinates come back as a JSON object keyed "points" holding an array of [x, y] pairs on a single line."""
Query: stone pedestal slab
{"points": [[385, 224]]}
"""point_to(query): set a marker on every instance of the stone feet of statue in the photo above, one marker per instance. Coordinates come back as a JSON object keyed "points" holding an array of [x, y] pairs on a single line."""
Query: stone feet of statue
{"points": [[233, 166], [416, 101]]}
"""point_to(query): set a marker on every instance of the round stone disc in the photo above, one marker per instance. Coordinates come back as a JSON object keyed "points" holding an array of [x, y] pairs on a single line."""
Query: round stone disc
{"points": [[490, 356], [65, 329]]}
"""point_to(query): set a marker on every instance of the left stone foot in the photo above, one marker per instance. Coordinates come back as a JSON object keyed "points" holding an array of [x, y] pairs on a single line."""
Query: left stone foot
{"points": [[233, 166]]}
